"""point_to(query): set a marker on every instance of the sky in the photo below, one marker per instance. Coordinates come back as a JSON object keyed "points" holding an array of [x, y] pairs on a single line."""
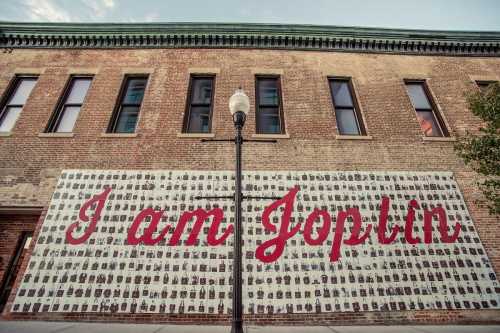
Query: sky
{"points": [[478, 15]]}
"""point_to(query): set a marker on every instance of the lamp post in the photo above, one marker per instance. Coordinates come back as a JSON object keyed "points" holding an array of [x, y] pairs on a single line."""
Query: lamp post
{"points": [[239, 105]]}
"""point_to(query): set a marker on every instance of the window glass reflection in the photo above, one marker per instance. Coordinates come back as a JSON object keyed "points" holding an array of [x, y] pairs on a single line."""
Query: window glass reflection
{"points": [[78, 91], [268, 92], [202, 91], [418, 96], [135, 91], [127, 119], [346, 121], [22, 92], [341, 93]]}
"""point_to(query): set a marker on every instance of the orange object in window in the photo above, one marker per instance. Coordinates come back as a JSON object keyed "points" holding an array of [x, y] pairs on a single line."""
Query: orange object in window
{"points": [[425, 125]]}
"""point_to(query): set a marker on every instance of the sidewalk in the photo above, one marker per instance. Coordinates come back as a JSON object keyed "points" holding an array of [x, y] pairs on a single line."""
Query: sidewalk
{"points": [[79, 327]]}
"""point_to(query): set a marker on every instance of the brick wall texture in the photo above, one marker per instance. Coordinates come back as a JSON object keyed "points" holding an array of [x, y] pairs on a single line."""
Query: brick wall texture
{"points": [[30, 164]]}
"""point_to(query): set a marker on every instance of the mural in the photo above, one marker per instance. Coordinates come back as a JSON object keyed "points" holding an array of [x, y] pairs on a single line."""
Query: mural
{"points": [[140, 241]]}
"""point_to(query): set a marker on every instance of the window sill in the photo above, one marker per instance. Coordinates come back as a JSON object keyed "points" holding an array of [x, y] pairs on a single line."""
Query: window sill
{"points": [[439, 138], [118, 135], [195, 135], [353, 137], [271, 136], [5, 134], [56, 135]]}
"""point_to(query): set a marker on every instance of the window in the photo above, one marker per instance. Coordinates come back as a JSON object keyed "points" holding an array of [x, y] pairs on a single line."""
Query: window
{"points": [[68, 108], [13, 268], [430, 121], [483, 85], [126, 113], [346, 109], [197, 118], [16, 97], [269, 113]]}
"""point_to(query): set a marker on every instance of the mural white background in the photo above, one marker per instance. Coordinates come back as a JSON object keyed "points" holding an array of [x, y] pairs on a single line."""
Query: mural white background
{"points": [[106, 275]]}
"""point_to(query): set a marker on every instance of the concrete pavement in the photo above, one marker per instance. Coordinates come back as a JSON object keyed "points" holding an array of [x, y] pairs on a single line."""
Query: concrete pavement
{"points": [[79, 327]]}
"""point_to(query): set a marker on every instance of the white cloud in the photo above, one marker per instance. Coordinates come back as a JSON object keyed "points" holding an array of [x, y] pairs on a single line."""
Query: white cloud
{"points": [[46, 10], [109, 3], [99, 8]]}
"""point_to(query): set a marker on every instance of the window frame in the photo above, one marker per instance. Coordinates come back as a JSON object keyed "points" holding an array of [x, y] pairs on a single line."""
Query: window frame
{"points": [[445, 133], [281, 114], [11, 90], [190, 104], [119, 105], [355, 104], [55, 118]]}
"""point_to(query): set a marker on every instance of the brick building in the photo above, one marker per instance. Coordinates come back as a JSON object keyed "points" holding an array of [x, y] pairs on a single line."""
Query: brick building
{"points": [[100, 122]]}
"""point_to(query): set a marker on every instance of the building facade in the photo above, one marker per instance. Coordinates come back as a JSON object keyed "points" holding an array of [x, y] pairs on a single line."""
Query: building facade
{"points": [[379, 221]]}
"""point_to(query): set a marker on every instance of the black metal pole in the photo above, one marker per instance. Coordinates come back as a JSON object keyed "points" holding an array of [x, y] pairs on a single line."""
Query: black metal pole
{"points": [[237, 324], [239, 118]]}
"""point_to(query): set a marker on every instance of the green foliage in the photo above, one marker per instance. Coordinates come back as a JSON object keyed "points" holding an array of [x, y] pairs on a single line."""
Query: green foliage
{"points": [[482, 151]]}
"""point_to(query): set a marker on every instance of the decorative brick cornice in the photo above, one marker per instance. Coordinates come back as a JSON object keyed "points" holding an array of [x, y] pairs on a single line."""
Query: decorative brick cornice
{"points": [[248, 36]]}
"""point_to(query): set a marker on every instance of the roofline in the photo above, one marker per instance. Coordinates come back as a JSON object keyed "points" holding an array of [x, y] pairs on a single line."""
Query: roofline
{"points": [[249, 35]]}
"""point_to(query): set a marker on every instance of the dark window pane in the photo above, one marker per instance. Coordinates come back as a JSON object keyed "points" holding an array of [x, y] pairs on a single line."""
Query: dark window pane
{"points": [[428, 123], [418, 96], [341, 93], [127, 119], [484, 85], [9, 118], [199, 119], [68, 119], [268, 92], [201, 91], [199, 105], [78, 91], [22, 92], [135, 91], [346, 122], [268, 121]]}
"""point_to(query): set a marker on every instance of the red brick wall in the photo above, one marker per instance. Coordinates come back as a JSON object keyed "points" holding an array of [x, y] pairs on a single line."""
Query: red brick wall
{"points": [[30, 164], [422, 317]]}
